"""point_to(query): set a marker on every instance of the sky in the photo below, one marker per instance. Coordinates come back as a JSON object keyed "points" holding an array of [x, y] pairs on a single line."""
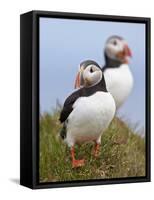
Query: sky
{"points": [[65, 43]]}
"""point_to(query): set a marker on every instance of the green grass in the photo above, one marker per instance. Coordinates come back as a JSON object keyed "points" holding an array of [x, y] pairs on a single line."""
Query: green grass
{"points": [[122, 153]]}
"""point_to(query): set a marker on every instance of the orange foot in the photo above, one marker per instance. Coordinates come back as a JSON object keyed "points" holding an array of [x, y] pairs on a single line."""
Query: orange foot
{"points": [[78, 163], [96, 151]]}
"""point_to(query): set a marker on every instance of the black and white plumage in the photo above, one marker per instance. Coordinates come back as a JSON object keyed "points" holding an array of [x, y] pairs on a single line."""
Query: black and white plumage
{"points": [[118, 77], [88, 111]]}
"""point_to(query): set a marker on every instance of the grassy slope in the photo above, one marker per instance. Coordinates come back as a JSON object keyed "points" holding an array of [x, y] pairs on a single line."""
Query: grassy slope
{"points": [[122, 153]]}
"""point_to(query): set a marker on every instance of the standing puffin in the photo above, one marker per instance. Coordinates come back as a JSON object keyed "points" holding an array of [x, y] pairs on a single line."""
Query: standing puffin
{"points": [[88, 111], [118, 77]]}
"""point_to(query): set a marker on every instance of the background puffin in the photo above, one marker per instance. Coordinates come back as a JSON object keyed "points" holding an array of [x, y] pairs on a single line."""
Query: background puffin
{"points": [[118, 77], [88, 111]]}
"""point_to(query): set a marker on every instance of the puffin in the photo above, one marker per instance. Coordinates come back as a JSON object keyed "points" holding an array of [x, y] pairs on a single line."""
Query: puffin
{"points": [[88, 111], [117, 73]]}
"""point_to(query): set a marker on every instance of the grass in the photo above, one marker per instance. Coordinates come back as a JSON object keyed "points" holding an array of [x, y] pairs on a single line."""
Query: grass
{"points": [[122, 153]]}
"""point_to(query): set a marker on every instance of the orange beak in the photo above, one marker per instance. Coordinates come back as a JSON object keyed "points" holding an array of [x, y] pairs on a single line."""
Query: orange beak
{"points": [[123, 55], [77, 80], [127, 51]]}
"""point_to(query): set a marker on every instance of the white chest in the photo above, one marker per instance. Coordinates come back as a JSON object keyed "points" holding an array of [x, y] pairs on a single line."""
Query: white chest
{"points": [[90, 116], [119, 83]]}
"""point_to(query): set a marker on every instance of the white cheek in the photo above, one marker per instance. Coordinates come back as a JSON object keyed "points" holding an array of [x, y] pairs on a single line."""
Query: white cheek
{"points": [[120, 47], [113, 50], [110, 52], [96, 77], [87, 75]]}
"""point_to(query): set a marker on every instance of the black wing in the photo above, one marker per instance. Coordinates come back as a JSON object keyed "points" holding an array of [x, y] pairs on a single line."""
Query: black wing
{"points": [[68, 105], [83, 92]]}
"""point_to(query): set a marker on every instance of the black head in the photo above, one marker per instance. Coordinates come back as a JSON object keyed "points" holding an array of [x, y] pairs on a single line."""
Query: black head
{"points": [[116, 49], [89, 74]]}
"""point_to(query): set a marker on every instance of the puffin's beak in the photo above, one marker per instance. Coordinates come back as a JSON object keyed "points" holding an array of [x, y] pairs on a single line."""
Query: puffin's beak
{"points": [[127, 51], [77, 80], [123, 55]]}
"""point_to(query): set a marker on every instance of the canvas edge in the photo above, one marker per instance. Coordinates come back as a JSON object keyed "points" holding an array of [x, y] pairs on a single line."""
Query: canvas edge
{"points": [[35, 180], [26, 100]]}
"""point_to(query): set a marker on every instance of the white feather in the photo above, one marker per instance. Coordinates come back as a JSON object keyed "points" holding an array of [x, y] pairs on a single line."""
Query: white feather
{"points": [[90, 117], [119, 82]]}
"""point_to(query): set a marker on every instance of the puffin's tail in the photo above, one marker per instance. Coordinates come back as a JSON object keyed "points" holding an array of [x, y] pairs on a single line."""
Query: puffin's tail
{"points": [[63, 132]]}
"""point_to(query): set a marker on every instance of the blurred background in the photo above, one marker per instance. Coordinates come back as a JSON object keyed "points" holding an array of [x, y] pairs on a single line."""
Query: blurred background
{"points": [[65, 43]]}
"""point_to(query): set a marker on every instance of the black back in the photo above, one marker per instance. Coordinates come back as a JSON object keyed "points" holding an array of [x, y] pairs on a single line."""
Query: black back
{"points": [[83, 92]]}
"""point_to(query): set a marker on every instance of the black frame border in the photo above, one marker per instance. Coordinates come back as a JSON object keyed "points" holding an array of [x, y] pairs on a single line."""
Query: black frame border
{"points": [[35, 97]]}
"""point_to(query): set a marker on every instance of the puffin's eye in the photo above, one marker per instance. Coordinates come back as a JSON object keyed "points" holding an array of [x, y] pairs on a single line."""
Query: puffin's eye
{"points": [[91, 70], [115, 42]]}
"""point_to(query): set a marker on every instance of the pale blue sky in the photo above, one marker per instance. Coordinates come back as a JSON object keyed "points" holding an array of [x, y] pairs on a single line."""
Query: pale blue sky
{"points": [[64, 43]]}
